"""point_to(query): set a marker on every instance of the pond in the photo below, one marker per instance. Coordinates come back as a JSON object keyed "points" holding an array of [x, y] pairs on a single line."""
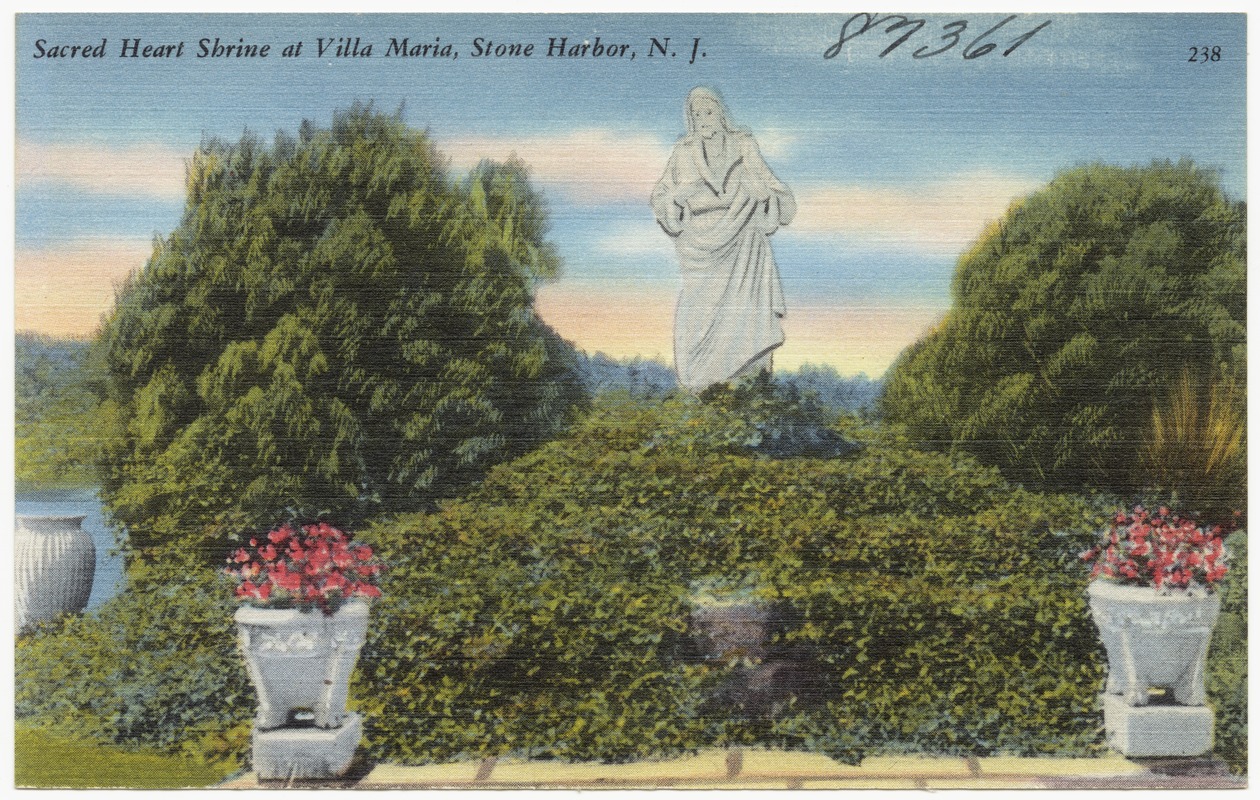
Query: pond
{"points": [[108, 581]]}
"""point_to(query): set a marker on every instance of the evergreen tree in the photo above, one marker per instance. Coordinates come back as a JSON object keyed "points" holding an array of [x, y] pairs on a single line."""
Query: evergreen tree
{"points": [[1073, 317], [336, 328]]}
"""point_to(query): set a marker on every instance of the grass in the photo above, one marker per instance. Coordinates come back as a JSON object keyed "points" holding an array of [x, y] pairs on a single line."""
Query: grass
{"points": [[45, 760], [1197, 445]]}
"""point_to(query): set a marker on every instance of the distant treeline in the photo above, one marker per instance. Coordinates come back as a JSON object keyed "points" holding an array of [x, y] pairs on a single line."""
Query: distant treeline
{"points": [[50, 369], [646, 377], [56, 409]]}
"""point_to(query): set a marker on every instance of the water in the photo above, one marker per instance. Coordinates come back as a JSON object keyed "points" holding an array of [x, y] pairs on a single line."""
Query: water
{"points": [[108, 581]]}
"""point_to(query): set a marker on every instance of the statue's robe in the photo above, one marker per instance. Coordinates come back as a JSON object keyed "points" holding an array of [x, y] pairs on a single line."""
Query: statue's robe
{"points": [[720, 202]]}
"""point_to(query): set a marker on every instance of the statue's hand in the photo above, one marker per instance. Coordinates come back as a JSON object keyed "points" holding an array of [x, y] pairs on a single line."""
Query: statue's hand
{"points": [[698, 197]]}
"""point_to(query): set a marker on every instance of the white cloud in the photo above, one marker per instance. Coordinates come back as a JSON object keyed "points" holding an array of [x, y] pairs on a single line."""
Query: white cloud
{"points": [[944, 216], [592, 165], [775, 143], [144, 170]]}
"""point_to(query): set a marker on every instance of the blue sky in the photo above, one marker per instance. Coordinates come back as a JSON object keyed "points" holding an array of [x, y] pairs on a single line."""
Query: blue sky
{"points": [[897, 163]]}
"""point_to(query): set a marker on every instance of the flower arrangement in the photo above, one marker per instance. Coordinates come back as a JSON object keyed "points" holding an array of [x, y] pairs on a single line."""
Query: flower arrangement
{"points": [[304, 567], [1161, 550]]}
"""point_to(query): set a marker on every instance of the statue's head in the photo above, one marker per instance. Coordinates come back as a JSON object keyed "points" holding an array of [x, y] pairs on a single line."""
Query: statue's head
{"points": [[706, 113]]}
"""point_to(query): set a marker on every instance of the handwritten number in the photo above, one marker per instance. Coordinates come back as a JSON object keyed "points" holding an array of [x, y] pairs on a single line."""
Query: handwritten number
{"points": [[867, 22], [1025, 38], [975, 52], [953, 35], [860, 24], [917, 23]]}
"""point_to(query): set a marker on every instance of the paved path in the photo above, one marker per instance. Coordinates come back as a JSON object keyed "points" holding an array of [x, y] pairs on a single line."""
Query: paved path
{"points": [[770, 769]]}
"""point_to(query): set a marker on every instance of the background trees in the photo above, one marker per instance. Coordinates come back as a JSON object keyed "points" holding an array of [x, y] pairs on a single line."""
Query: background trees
{"points": [[1074, 321], [334, 327]]}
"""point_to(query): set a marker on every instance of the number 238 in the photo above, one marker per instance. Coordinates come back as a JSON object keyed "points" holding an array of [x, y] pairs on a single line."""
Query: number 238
{"points": [[1203, 55]]}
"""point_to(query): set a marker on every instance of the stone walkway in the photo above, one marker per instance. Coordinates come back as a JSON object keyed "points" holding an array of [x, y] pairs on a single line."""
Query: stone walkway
{"points": [[768, 769]]}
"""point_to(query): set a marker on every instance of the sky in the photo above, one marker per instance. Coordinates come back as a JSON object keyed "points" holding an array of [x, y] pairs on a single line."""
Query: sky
{"points": [[898, 163]]}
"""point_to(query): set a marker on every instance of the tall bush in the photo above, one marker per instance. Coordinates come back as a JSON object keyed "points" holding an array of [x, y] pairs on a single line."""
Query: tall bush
{"points": [[1072, 315], [334, 327]]}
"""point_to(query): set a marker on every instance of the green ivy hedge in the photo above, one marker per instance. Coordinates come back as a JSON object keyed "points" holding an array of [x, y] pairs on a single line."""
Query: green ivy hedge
{"points": [[934, 606], [1227, 661], [155, 666], [924, 603]]}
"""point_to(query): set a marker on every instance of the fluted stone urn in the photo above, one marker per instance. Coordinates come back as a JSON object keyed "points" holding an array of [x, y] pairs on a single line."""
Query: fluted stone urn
{"points": [[54, 565]]}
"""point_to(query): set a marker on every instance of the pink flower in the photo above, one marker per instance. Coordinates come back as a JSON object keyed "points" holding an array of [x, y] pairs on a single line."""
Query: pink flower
{"points": [[319, 567], [1165, 550]]}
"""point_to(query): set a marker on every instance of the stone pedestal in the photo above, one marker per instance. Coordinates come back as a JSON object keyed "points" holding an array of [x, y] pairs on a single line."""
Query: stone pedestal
{"points": [[306, 753], [1154, 731]]}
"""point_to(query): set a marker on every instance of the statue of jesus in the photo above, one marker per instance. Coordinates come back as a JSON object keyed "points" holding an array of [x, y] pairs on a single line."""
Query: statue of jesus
{"points": [[720, 203]]}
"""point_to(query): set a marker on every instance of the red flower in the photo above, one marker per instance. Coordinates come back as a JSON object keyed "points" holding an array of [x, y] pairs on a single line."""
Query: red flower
{"points": [[1165, 550], [317, 568]]}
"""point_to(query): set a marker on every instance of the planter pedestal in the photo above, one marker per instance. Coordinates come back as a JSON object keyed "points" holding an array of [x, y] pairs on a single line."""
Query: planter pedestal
{"points": [[300, 664], [1156, 731], [306, 753], [1155, 640]]}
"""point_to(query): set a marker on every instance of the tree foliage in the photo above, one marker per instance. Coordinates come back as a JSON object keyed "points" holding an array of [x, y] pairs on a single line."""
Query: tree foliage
{"points": [[1073, 316], [334, 327]]}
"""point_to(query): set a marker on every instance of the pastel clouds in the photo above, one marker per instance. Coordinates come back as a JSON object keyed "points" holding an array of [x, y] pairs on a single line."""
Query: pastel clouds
{"points": [[65, 289], [627, 320], [638, 321], [136, 170], [590, 166], [854, 338], [941, 217]]}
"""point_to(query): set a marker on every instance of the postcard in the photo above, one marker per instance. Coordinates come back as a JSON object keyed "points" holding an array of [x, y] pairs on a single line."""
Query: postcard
{"points": [[638, 400]]}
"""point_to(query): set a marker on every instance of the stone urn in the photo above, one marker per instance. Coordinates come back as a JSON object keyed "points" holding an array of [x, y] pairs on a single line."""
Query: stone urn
{"points": [[54, 564], [300, 662], [1154, 639]]}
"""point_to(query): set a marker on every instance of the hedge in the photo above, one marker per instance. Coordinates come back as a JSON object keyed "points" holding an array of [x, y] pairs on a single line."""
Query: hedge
{"points": [[917, 602]]}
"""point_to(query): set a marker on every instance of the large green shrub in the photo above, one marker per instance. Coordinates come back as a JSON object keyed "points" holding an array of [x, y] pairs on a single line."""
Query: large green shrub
{"points": [[919, 603], [1072, 316], [926, 604], [334, 327]]}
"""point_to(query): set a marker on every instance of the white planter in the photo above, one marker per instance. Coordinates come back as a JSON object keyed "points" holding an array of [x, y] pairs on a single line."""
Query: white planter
{"points": [[54, 563], [1154, 639], [300, 661]]}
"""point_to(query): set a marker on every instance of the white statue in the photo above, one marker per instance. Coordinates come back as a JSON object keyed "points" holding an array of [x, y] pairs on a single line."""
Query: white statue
{"points": [[720, 203]]}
